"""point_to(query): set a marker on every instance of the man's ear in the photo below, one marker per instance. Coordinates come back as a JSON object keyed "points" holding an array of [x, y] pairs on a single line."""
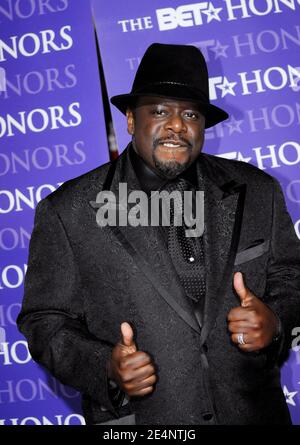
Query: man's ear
{"points": [[130, 121]]}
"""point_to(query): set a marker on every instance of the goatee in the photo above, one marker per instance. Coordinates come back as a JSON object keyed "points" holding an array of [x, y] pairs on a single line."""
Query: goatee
{"points": [[169, 169]]}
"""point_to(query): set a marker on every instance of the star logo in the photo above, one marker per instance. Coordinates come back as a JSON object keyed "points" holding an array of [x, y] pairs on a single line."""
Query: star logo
{"points": [[229, 155], [227, 87], [289, 396], [219, 50], [240, 157], [212, 13], [234, 155], [234, 125]]}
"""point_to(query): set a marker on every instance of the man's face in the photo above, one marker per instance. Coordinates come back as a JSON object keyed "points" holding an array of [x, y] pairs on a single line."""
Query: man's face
{"points": [[168, 134]]}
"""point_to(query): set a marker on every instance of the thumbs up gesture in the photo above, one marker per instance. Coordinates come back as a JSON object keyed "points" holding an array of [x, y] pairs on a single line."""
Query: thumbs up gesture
{"points": [[131, 369], [252, 323]]}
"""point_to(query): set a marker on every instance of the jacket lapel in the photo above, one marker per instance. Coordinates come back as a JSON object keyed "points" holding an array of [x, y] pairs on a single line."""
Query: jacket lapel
{"points": [[147, 247], [223, 206]]}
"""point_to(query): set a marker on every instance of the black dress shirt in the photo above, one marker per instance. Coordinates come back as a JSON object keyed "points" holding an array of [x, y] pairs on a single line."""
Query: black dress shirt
{"points": [[150, 180]]}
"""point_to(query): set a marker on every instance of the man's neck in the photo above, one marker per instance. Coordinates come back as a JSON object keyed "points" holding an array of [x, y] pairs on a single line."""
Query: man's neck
{"points": [[150, 179]]}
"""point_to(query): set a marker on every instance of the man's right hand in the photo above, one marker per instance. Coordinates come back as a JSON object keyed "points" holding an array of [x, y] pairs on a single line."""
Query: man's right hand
{"points": [[132, 370]]}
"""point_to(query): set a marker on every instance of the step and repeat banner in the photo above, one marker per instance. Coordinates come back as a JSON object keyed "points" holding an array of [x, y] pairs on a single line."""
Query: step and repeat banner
{"points": [[51, 129], [252, 48]]}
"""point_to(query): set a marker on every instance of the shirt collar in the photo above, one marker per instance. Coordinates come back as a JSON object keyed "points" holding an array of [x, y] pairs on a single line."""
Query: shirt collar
{"points": [[149, 179]]}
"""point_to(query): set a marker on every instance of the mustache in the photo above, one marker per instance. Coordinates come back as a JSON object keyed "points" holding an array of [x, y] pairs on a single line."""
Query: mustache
{"points": [[181, 141]]}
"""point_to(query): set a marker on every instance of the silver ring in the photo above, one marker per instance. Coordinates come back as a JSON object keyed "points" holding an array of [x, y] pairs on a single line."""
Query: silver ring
{"points": [[240, 339]]}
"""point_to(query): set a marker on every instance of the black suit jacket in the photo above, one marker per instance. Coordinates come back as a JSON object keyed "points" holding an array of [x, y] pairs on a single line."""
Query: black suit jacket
{"points": [[83, 281]]}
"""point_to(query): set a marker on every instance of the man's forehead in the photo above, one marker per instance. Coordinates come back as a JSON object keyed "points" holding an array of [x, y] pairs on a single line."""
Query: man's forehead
{"points": [[166, 101]]}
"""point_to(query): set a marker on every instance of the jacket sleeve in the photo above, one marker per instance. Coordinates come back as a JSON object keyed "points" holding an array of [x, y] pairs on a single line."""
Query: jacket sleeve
{"points": [[116, 395], [283, 274], [52, 315]]}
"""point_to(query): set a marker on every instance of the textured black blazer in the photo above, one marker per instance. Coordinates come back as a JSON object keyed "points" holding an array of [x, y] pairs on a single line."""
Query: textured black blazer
{"points": [[83, 281]]}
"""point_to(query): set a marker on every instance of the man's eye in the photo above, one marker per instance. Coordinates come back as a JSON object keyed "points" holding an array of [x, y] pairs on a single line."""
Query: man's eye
{"points": [[159, 112], [191, 115]]}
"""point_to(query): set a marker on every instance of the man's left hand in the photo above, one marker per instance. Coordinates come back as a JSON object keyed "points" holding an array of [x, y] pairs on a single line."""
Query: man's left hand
{"points": [[256, 321]]}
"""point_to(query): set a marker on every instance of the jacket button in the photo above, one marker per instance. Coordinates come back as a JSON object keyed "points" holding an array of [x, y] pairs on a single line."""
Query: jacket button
{"points": [[207, 416]]}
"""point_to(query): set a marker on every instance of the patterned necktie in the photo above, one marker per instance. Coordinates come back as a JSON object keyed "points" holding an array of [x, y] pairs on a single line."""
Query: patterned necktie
{"points": [[187, 253]]}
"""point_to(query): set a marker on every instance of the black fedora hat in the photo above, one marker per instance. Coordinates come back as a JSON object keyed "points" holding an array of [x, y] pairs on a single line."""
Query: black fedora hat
{"points": [[173, 71]]}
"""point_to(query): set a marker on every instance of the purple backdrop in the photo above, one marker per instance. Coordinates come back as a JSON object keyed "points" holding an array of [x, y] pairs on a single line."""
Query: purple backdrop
{"points": [[51, 129], [252, 50]]}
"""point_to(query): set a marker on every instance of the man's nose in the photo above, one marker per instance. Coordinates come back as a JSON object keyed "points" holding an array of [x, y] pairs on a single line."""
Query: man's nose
{"points": [[176, 123]]}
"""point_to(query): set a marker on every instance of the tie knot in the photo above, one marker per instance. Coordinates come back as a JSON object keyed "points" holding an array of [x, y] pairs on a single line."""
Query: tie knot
{"points": [[175, 202]]}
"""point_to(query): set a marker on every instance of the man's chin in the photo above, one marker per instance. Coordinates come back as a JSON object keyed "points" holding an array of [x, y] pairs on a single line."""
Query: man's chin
{"points": [[170, 169]]}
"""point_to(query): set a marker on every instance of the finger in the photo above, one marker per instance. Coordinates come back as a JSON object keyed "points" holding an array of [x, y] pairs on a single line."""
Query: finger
{"points": [[243, 293], [139, 374], [127, 334], [240, 326], [141, 384], [135, 360], [238, 314], [246, 337], [249, 347], [144, 372], [142, 392]]}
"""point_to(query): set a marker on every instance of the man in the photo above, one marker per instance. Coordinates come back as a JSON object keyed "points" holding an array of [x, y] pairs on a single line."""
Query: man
{"points": [[152, 326]]}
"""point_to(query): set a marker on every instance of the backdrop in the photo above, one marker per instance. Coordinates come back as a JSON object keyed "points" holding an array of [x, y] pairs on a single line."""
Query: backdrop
{"points": [[52, 129], [252, 51]]}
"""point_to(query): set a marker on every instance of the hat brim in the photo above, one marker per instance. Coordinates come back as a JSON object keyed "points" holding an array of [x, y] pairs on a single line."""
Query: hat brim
{"points": [[213, 114]]}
